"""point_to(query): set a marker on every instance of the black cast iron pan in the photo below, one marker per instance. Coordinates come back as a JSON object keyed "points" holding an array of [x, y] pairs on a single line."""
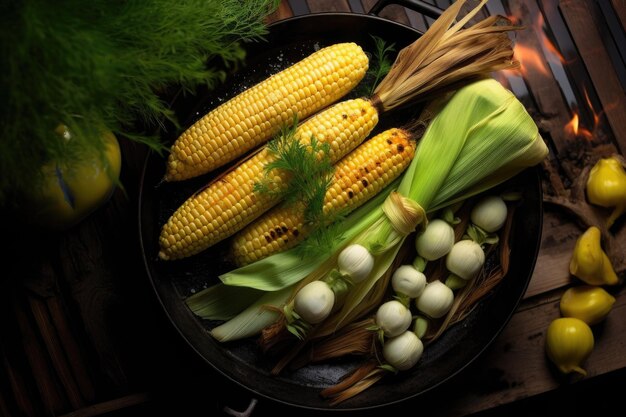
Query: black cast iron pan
{"points": [[289, 41]]}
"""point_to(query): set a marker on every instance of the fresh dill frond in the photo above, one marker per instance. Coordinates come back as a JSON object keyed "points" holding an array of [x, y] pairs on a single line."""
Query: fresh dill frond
{"points": [[322, 239], [307, 166], [310, 173], [380, 64]]}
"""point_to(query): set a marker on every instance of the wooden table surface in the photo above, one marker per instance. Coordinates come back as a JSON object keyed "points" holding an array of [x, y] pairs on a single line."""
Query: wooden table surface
{"points": [[82, 332]]}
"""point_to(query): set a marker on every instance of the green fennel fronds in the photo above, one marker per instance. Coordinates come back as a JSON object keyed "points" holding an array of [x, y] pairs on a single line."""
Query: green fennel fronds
{"points": [[106, 65]]}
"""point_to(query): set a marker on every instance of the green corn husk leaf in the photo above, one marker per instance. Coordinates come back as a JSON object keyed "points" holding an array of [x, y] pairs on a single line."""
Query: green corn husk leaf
{"points": [[222, 302], [253, 319], [482, 137], [509, 122]]}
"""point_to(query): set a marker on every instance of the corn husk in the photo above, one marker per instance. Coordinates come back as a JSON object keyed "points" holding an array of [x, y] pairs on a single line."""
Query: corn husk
{"points": [[250, 321], [222, 302]]}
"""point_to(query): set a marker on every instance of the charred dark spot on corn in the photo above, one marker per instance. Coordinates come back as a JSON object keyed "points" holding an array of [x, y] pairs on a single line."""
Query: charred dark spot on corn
{"points": [[350, 194], [345, 116], [295, 232], [389, 141], [400, 148], [364, 182]]}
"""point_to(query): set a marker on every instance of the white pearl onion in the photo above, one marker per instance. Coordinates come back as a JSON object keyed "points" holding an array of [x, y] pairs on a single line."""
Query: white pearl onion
{"points": [[393, 318], [408, 281], [314, 302], [402, 352], [355, 261]]}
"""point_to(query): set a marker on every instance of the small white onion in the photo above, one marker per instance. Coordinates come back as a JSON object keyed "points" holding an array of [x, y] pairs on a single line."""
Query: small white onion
{"points": [[465, 259], [489, 213], [402, 352], [355, 261], [408, 281], [436, 300], [314, 302], [393, 318], [435, 241]]}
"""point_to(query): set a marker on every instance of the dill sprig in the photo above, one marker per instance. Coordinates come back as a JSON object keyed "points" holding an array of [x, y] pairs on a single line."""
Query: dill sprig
{"points": [[308, 168], [380, 64], [310, 173], [322, 239], [105, 64]]}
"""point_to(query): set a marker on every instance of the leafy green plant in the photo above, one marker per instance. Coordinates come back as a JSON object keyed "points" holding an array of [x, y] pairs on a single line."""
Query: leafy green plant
{"points": [[100, 65]]}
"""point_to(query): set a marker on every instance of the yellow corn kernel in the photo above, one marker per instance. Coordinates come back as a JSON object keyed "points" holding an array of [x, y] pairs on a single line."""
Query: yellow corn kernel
{"points": [[229, 203], [258, 113], [358, 177]]}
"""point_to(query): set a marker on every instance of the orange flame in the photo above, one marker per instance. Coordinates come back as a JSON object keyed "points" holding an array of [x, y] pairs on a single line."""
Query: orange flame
{"points": [[596, 116], [553, 52], [535, 59], [573, 128], [529, 59]]}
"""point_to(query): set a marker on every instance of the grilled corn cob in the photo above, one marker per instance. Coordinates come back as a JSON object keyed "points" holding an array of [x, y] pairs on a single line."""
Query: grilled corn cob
{"points": [[257, 114], [358, 177], [229, 203]]}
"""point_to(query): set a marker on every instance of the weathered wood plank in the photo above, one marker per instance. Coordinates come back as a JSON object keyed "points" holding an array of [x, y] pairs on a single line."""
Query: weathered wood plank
{"points": [[110, 406], [75, 354], [516, 367], [620, 9], [282, 12], [577, 14], [25, 402], [299, 7], [4, 408], [55, 351], [356, 6], [53, 400], [391, 12], [552, 267], [318, 6]]}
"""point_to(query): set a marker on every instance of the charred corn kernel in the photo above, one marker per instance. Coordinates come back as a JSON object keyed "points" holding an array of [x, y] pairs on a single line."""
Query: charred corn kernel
{"points": [[587, 303], [258, 113], [589, 262], [606, 187], [229, 203], [357, 178]]}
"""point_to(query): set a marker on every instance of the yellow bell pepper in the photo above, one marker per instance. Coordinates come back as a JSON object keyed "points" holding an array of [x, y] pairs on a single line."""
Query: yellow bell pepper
{"points": [[606, 187], [589, 262], [587, 303], [569, 343]]}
